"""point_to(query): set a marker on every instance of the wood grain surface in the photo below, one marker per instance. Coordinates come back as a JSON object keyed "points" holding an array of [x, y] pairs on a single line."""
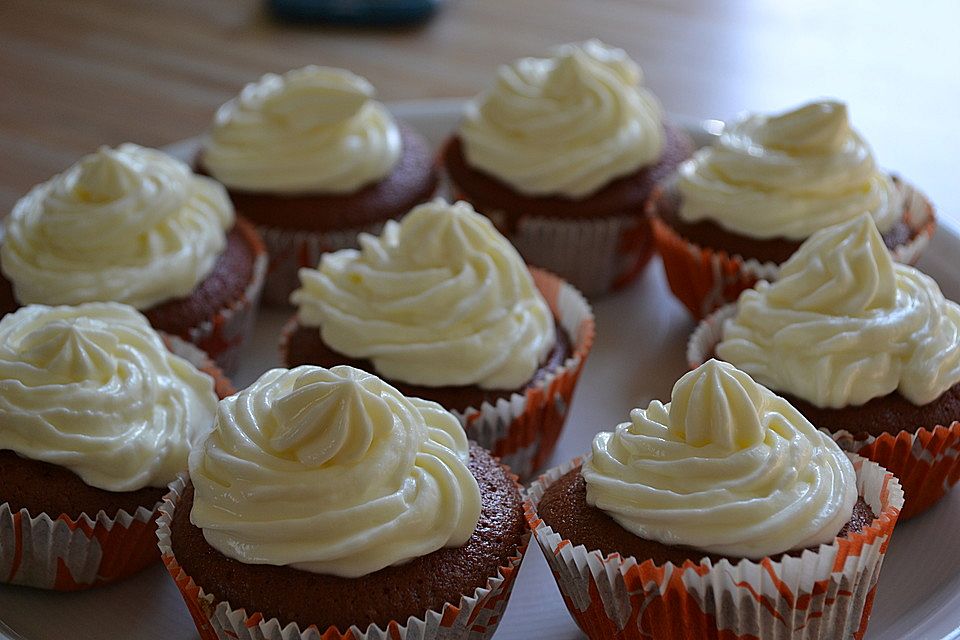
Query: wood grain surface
{"points": [[78, 74]]}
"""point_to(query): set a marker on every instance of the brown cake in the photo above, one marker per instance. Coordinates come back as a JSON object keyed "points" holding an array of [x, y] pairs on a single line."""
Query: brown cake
{"points": [[622, 195], [232, 273], [565, 509], [41, 487], [391, 594], [412, 181], [708, 234], [303, 345]]}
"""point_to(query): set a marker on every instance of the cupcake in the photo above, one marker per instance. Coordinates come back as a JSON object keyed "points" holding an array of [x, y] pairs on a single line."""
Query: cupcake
{"points": [[327, 502], [136, 226], [721, 514], [739, 208], [562, 152], [442, 307], [97, 415], [865, 348], [313, 160]]}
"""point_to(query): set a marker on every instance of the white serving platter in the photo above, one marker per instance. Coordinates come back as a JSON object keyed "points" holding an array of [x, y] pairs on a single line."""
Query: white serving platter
{"points": [[639, 353]]}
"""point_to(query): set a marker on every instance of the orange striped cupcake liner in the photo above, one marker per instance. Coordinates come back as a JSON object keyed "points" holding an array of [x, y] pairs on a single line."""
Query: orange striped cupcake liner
{"points": [[474, 617], [823, 593], [523, 430], [69, 554], [926, 461], [223, 335], [704, 279]]}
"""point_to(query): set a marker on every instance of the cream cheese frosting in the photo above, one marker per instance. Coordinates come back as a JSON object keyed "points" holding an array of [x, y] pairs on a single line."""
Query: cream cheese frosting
{"points": [[844, 324], [93, 388], [440, 298], [315, 129], [332, 471], [129, 224], [726, 467], [564, 125], [788, 176]]}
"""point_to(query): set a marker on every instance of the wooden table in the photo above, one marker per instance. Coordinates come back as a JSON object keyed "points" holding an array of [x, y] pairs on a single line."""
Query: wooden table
{"points": [[75, 75]]}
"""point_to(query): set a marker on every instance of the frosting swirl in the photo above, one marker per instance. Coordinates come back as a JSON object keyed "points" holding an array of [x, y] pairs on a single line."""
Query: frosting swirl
{"points": [[93, 388], [440, 298], [565, 125], [130, 225], [332, 471], [844, 324], [726, 467], [315, 129], [788, 176]]}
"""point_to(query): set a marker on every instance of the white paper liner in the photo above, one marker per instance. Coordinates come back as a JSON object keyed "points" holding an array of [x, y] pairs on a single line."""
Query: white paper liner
{"points": [[475, 617], [594, 255], [826, 593], [224, 335], [289, 250]]}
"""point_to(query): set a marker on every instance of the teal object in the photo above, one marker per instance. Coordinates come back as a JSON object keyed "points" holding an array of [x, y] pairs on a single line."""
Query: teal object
{"points": [[357, 12]]}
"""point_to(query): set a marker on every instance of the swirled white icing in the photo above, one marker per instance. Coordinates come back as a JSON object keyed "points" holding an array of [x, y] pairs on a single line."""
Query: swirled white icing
{"points": [[130, 225], [566, 125], [332, 471], [440, 298], [726, 467], [93, 388], [843, 324], [788, 176], [315, 129]]}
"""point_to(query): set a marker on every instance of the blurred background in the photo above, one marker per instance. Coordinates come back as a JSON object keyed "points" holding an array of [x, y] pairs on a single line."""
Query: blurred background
{"points": [[76, 75]]}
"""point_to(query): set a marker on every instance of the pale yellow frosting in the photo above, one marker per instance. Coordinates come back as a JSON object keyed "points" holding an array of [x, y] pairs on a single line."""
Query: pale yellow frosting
{"points": [[440, 298], [844, 324], [788, 176], [332, 471], [564, 125], [130, 225], [93, 388], [726, 467], [315, 129]]}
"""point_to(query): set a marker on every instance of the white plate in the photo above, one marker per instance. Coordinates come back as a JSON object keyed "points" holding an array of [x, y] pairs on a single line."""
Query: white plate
{"points": [[641, 334]]}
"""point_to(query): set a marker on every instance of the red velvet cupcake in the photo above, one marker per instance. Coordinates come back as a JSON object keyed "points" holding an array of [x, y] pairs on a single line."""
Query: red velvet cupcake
{"points": [[136, 226], [443, 307], [562, 153], [740, 208], [721, 514], [326, 503], [99, 413], [865, 348], [313, 160]]}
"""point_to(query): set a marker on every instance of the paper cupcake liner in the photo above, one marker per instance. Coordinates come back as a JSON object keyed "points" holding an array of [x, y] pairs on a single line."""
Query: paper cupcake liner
{"points": [[705, 279], [823, 593], [523, 430], [595, 255], [290, 250], [926, 461], [67, 554], [223, 335], [474, 617]]}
